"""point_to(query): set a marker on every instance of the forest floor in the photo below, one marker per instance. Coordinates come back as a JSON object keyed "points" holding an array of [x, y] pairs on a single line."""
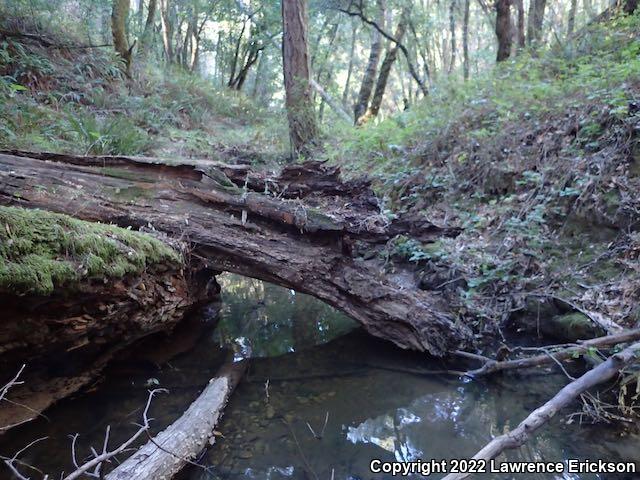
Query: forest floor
{"points": [[537, 164]]}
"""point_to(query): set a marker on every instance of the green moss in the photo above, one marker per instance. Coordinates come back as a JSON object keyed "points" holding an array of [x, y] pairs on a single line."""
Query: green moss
{"points": [[41, 251]]}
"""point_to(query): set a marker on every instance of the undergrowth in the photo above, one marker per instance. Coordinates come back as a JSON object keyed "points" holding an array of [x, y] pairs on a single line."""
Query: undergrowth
{"points": [[537, 163], [77, 101]]}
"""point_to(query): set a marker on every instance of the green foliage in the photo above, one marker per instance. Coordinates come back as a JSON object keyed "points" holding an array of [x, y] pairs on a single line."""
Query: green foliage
{"points": [[114, 136], [41, 251]]}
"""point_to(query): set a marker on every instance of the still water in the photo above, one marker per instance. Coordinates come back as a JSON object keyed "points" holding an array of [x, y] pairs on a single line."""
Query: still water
{"points": [[321, 399]]}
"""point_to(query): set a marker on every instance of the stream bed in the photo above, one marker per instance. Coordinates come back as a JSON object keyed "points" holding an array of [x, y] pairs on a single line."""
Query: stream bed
{"points": [[320, 401]]}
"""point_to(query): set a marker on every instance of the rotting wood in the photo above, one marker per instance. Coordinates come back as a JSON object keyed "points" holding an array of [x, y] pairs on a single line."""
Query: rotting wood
{"points": [[539, 417], [311, 243], [164, 455]]}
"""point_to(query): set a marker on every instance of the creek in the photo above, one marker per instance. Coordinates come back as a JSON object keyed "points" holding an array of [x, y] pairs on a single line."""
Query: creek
{"points": [[321, 399]]}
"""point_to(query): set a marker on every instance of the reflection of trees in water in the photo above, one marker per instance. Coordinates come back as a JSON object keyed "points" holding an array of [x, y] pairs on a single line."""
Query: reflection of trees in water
{"points": [[451, 424], [273, 319]]}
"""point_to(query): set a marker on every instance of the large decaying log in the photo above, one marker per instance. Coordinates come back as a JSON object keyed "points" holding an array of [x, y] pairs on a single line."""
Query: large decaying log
{"points": [[167, 453], [304, 230], [539, 417]]}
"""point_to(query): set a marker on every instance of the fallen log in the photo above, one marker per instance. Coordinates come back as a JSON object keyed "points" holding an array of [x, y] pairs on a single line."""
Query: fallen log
{"points": [[492, 366], [164, 455], [314, 242], [539, 417]]}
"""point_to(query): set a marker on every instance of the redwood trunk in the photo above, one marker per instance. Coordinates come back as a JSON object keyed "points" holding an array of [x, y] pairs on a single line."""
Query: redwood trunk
{"points": [[295, 57], [503, 29], [119, 15]]}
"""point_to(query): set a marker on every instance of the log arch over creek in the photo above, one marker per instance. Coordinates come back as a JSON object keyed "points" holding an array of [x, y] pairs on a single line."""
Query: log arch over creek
{"points": [[304, 229]]}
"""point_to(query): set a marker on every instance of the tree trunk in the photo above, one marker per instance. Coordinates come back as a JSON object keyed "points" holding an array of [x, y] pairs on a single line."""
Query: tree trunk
{"points": [[181, 442], [295, 56], [465, 39], [503, 29], [535, 21], [167, 30], [347, 83], [236, 54], [385, 69], [369, 78], [148, 28], [281, 239], [452, 32], [119, 15], [520, 36]]}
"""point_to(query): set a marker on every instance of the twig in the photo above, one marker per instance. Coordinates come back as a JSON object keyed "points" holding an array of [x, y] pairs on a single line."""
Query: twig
{"points": [[539, 417]]}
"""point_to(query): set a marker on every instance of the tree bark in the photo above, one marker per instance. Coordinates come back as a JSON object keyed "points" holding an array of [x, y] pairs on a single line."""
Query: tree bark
{"points": [[539, 417], [167, 30], [347, 83], [465, 39], [503, 29], [295, 56], [148, 27], [452, 32], [520, 35], [369, 78], [535, 22], [119, 15], [170, 451], [281, 239], [385, 69]]}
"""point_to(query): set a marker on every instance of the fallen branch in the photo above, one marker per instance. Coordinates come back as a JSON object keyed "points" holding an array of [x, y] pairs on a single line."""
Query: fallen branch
{"points": [[164, 455], [518, 437], [98, 460], [335, 106], [493, 366]]}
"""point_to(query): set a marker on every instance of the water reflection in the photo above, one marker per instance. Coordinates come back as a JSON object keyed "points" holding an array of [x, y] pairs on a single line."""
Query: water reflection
{"points": [[377, 410], [263, 320]]}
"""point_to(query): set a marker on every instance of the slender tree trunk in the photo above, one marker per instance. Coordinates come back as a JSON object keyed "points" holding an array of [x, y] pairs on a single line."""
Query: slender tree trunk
{"points": [[236, 54], [520, 36], [345, 93], [148, 28], [385, 68], [140, 14], [167, 33], [571, 22], [452, 31], [295, 57], [258, 78], [119, 15], [503, 29], [368, 81], [465, 39]]}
